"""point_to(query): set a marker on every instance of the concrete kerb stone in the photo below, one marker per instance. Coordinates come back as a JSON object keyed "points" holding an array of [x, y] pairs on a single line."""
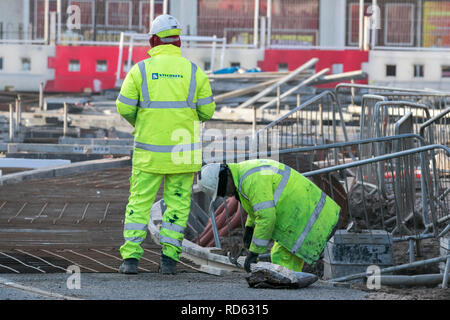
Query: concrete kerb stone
{"points": [[209, 262], [59, 171]]}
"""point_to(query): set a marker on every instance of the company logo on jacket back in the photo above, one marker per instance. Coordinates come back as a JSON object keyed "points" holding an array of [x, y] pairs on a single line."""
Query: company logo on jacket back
{"points": [[156, 76]]}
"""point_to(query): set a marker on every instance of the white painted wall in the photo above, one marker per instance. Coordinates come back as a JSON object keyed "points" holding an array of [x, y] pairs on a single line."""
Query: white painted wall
{"points": [[186, 13], [405, 60], [332, 23], [11, 15], [12, 74]]}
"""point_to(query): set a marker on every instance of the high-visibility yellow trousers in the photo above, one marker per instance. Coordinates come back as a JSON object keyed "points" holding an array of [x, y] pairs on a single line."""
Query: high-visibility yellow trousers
{"points": [[281, 256], [177, 197]]}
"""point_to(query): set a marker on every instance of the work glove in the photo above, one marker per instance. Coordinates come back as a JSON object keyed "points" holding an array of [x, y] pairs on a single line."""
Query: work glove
{"points": [[251, 258], [248, 235]]}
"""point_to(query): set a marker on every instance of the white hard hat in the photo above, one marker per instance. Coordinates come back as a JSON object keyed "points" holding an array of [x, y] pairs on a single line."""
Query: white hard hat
{"points": [[165, 26], [208, 180]]}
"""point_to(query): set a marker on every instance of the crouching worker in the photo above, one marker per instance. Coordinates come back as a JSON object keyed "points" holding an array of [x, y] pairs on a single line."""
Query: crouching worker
{"points": [[281, 204]]}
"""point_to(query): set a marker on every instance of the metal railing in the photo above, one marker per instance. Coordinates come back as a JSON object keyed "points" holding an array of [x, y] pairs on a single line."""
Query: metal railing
{"points": [[317, 121], [362, 202], [436, 130], [351, 94]]}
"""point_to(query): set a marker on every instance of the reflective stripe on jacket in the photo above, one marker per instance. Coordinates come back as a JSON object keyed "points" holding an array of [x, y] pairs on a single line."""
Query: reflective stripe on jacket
{"points": [[284, 206], [165, 98]]}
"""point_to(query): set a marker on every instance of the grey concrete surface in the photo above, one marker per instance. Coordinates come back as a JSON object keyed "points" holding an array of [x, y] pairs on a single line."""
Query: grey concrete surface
{"points": [[153, 286]]}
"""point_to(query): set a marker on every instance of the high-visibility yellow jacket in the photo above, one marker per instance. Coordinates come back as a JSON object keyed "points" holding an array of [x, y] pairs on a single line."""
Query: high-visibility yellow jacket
{"points": [[165, 98], [284, 206]]}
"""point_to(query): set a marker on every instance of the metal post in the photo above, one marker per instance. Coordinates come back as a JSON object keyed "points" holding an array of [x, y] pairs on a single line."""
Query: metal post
{"points": [[255, 24], [263, 32], [59, 16], [254, 122], [419, 22], [222, 53], [214, 225], [411, 251], [11, 122], [152, 13], [17, 128], [53, 28], [46, 20], [269, 22], [119, 61], [213, 52], [65, 120], [375, 12], [361, 23], [278, 100], [26, 18], [165, 6], [41, 96], [130, 53], [446, 271], [366, 40]]}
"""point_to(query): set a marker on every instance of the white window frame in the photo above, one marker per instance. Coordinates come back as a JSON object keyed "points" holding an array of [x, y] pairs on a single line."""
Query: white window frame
{"points": [[130, 11], [349, 27], [141, 11], [442, 76], [92, 2], [96, 66], [385, 71], [79, 66], [386, 31], [21, 64], [35, 16]]}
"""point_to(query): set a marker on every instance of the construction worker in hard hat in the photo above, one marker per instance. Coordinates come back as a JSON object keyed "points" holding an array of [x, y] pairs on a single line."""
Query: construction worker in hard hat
{"points": [[282, 205], [165, 98]]}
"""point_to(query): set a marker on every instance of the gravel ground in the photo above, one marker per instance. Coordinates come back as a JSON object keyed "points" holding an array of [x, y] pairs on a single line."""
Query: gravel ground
{"points": [[153, 286]]}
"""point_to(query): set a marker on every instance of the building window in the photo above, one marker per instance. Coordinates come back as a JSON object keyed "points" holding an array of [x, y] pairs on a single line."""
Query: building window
{"points": [[144, 13], [102, 66], [74, 65], [353, 23], [235, 64], [87, 10], [26, 64], [1, 64], [118, 13], [391, 70], [207, 65], [283, 67], [39, 16], [418, 71], [337, 68], [399, 24], [445, 71]]}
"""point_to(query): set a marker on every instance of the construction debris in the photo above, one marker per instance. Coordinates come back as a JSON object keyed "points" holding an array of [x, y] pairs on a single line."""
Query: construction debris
{"points": [[266, 275]]}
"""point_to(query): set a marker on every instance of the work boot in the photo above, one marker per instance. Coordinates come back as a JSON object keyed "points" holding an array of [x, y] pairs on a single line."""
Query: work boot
{"points": [[167, 265], [129, 266]]}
